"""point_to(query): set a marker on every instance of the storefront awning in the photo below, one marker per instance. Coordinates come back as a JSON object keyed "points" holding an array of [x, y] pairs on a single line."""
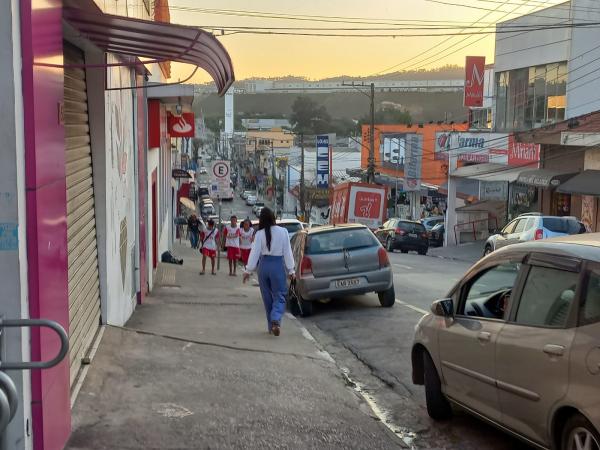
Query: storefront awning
{"points": [[544, 178], [488, 172], [157, 41], [586, 183]]}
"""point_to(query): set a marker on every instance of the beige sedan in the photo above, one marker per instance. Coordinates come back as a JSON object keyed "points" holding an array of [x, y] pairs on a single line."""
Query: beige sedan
{"points": [[517, 343]]}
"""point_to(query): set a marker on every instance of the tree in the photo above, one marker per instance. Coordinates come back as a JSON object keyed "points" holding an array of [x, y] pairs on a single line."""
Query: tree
{"points": [[309, 118]]}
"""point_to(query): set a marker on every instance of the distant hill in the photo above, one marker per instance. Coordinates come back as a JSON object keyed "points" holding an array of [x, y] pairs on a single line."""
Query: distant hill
{"points": [[423, 106]]}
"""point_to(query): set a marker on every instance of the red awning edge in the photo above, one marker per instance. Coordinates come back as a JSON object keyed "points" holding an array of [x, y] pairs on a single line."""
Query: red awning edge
{"points": [[158, 41]]}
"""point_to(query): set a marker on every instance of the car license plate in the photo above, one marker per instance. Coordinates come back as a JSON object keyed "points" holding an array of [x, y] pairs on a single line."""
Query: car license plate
{"points": [[412, 235], [347, 283]]}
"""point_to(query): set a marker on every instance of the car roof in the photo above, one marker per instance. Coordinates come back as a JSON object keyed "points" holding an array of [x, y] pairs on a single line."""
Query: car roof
{"points": [[341, 226], [584, 246], [406, 220], [289, 221]]}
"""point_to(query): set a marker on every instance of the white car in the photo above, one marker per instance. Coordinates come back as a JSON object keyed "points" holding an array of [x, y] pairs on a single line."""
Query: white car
{"points": [[203, 170], [291, 225], [257, 206], [251, 200]]}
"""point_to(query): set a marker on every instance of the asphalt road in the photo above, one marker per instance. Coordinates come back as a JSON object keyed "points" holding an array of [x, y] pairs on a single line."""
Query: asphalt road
{"points": [[374, 345]]}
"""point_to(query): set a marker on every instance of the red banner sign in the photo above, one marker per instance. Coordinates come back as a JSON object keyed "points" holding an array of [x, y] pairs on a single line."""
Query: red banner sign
{"points": [[181, 126], [523, 154], [474, 77]]}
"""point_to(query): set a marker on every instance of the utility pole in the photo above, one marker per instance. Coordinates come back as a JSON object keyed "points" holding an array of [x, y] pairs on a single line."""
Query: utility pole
{"points": [[302, 198], [273, 181], [371, 166]]}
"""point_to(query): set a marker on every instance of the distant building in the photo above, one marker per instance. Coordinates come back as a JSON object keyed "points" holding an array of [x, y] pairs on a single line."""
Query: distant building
{"points": [[265, 124]]}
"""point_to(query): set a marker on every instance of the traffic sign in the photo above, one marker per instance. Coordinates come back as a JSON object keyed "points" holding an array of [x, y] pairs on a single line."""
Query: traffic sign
{"points": [[221, 169]]}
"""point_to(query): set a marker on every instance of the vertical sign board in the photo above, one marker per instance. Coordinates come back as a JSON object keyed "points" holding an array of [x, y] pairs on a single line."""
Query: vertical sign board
{"points": [[221, 178], [474, 77], [323, 161], [412, 164], [229, 112]]}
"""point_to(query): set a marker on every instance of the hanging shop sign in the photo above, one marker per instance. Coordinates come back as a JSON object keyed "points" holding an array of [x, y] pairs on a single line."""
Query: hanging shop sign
{"points": [[413, 163], [474, 79], [521, 154], [180, 173], [181, 126], [476, 148]]}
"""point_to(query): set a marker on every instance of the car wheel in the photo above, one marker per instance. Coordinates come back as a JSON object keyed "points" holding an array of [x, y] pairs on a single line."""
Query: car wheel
{"points": [[423, 251], [389, 246], [299, 306], [438, 406], [488, 250], [387, 298], [579, 434]]}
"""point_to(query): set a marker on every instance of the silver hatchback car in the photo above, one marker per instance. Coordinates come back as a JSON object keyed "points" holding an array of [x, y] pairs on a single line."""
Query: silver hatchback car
{"points": [[335, 261], [517, 343]]}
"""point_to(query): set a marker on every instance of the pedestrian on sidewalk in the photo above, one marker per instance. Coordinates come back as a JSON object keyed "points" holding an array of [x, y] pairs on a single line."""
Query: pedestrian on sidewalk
{"points": [[272, 254], [194, 230], [246, 238], [209, 246], [232, 242]]}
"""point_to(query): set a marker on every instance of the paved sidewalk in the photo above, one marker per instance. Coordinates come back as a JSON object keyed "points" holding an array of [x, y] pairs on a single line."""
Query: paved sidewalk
{"points": [[470, 252], [196, 369]]}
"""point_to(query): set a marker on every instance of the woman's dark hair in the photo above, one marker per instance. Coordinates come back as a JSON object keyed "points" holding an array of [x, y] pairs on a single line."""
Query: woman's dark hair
{"points": [[265, 221]]}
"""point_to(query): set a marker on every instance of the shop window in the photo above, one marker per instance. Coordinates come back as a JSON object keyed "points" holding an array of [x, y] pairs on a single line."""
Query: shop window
{"points": [[561, 204]]}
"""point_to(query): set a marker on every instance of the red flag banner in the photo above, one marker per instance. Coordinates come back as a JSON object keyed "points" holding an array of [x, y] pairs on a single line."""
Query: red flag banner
{"points": [[474, 76]]}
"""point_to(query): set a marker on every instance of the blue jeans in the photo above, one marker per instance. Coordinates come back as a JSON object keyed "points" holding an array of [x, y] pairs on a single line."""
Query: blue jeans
{"points": [[194, 236], [273, 287]]}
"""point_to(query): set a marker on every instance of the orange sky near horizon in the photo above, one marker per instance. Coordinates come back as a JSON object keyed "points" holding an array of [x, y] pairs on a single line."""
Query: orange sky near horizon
{"points": [[320, 57]]}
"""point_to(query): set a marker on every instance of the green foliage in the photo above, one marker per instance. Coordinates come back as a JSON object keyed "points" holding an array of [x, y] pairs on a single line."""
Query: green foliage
{"points": [[308, 117]]}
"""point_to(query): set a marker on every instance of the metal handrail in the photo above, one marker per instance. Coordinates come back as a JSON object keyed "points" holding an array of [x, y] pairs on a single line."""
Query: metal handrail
{"points": [[472, 222], [7, 385], [5, 416], [23, 365]]}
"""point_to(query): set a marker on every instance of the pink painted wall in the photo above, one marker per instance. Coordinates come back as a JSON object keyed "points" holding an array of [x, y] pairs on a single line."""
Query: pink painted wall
{"points": [[42, 41]]}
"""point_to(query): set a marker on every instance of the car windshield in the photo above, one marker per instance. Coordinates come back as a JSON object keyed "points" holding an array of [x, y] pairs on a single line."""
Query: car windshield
{"points": [[562, 225], [339, 240], [291, 227], [260, 204]]}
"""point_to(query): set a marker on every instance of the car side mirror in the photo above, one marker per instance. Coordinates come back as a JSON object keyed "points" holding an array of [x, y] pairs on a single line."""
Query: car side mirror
{"points": [[443, 307]]}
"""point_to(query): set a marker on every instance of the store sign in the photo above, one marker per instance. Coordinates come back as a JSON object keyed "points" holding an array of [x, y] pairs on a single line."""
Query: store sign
{"points": [[472, 147], [413, 163], [474, 79], [522, 154], [493, 190], [323, 161], [180, 173], [181, 126]]}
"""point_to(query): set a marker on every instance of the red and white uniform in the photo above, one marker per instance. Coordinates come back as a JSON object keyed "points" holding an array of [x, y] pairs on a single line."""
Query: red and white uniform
{"points": [[209, 240], [246, 238], [232, 242]]}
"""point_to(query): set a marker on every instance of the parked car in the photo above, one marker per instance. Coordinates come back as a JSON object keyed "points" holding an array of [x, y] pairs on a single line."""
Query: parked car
{"points": [[517, 343], [339, 260], [203, 190], [436, 235], [207, 209], [291, 225], [245, 194], [430, 222], [404, 235], [257, 206], [532, 227], [251, 200], [203, 170]]}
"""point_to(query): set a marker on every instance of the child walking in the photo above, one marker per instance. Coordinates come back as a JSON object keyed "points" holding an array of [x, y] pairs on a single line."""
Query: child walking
{"points": [[246, 238], [232, 242], [209, 247]]}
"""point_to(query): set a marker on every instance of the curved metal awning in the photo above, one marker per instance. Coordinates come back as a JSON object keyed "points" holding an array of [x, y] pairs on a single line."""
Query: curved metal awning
{"points": [[158, 41]]}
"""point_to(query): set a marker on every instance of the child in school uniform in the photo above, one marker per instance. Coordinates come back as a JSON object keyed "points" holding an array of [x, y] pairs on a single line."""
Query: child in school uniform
{"points": [[232, 242], [246, 238], [208, 239]]}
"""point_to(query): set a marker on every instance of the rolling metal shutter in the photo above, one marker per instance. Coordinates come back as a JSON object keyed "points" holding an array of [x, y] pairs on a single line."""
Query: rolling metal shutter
{"points": [[84, 286]]}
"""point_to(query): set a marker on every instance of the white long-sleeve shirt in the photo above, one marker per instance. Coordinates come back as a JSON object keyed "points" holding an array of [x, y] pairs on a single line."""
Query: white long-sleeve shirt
{"points": [[280, 246]]}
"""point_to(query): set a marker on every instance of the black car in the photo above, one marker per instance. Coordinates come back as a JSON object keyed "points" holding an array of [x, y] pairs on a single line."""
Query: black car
{"points": [[404, 235], [436, 235]]}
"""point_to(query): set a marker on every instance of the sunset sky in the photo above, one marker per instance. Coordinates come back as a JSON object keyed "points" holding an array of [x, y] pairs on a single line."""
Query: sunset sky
{"points": [[318, 57]]}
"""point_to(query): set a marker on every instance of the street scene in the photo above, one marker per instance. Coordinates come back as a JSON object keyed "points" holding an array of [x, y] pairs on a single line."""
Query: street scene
{"points": [[300, 226]]}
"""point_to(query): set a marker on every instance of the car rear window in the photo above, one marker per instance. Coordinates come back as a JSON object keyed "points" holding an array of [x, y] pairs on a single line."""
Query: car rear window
{"points": [[411, 227], [562, 225], [338, 240], [291, 227]]}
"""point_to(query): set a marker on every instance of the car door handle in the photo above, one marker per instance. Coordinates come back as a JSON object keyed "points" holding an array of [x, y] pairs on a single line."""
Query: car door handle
{"points": [[484, 336], [554, 350]]}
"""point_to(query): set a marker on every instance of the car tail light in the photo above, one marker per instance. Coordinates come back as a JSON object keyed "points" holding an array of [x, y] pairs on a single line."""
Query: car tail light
{"points": [[400, 232], [306, 266], [384, 261], [424, 236], [539, 234]]}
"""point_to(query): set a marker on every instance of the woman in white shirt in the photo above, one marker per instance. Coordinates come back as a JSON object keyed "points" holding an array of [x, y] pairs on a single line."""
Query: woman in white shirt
{"points": [[272, 254]]}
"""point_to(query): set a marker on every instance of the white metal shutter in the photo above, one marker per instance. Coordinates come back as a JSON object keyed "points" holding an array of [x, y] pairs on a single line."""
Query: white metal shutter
{"points": [[84, 287]]}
